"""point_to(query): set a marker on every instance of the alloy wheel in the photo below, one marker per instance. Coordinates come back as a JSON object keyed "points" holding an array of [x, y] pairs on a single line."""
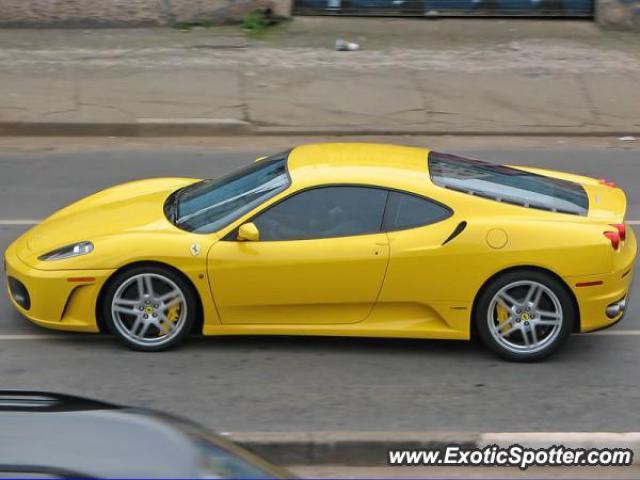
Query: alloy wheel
{"points": [[149, 309], [525, 317]]}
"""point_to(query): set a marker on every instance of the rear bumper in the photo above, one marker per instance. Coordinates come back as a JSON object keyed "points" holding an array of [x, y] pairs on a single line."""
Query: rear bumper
{"points": [[61, 300], [594, 299]]}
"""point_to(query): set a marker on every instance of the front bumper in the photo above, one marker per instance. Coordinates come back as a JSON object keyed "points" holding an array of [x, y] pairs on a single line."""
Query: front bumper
{"points": [[59, 299]]}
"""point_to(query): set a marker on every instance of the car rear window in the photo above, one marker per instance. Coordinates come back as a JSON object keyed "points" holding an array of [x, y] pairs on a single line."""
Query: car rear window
{"points": [[506, 184]]}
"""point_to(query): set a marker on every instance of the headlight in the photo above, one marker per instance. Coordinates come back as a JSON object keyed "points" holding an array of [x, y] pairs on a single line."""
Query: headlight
{"points": [[68, 251]]}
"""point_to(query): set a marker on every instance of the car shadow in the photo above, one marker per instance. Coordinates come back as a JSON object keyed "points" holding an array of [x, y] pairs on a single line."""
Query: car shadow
{"points": [[579, 348], [331, 344]]}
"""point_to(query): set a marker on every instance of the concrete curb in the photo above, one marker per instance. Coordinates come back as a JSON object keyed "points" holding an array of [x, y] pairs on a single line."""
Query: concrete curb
{"points": [[224, 127], [140, 128], [422, 131], [370, 448]]}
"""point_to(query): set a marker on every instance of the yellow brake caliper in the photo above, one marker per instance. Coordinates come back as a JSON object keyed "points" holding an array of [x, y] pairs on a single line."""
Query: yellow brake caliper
{"points": [[172, 317], [503, 315]]}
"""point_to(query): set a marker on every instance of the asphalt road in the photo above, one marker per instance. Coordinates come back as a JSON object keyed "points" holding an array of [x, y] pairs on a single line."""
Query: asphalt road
{"points": [[300, 384]]}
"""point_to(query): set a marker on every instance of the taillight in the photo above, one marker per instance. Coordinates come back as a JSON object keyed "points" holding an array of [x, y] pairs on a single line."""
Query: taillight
{"points": [[614, 237], [608, 183], [622, 230]]}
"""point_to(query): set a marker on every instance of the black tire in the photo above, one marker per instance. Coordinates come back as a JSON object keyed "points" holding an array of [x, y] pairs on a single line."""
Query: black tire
{"points": [[161, 276], [569, 316]]}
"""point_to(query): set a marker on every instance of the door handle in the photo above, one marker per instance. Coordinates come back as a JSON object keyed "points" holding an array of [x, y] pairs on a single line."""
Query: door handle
{"points": [[382, 244]]}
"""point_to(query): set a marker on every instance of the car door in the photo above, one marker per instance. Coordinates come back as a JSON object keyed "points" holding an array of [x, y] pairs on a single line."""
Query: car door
{"points": [[425, 265], [320, 259]]}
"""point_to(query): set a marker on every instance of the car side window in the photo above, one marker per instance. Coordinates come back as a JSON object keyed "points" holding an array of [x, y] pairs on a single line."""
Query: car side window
{"points": [[409, 211], [325, 212]]}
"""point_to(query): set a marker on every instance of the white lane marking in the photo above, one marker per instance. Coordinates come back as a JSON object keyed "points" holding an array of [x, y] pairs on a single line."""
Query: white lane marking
{"points": [[94, 336], [614, 333], [20, 222], [633, 222]]}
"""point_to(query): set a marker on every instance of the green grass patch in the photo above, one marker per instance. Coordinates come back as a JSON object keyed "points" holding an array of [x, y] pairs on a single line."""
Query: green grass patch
{"points": [[259, 22]]}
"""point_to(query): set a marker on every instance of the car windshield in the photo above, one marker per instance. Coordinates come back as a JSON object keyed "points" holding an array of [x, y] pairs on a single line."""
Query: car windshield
{"points": [[219, 458], [216, 462], [210, 205], [506, 184]]}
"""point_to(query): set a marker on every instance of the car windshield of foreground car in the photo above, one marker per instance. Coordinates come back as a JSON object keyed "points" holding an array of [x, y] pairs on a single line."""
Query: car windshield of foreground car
{"points": [[219, 463], [506, 184], [209, 205], [219, 458]]}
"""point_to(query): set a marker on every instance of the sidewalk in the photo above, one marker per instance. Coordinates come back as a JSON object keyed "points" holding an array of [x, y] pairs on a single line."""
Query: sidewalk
{"points": [[483, 473], [364, 454], [369, 449], [521, 77]]}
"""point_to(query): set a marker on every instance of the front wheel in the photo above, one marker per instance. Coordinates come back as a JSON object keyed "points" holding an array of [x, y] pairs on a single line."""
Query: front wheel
{"points": [[149, 308], [525, 315]]}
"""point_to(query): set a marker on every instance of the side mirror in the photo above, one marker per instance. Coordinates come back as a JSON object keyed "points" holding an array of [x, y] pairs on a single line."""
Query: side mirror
{"points": [[248, 232]]}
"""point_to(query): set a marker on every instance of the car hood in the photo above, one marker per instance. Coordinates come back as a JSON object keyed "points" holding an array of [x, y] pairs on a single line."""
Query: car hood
{"points": [[130, 207]]}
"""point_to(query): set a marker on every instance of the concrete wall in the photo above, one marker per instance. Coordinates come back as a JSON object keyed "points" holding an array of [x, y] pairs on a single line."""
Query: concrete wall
{"points": [[618, 14], [87, 13]]}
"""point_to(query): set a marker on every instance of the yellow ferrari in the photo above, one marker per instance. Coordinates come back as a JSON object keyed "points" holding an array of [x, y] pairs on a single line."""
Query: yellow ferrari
{"points": [[336, 239]]}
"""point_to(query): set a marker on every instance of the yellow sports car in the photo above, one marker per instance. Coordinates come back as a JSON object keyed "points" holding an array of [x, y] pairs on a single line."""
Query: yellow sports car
{"points": [[336, 239]]}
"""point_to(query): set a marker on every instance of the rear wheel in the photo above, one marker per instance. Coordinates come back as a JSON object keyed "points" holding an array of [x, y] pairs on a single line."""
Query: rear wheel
{"points": [[149, 308], [525, 315]]}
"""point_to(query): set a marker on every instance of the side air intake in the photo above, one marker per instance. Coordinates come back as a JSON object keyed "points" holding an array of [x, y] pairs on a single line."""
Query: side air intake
{"points": [[456, 231]]}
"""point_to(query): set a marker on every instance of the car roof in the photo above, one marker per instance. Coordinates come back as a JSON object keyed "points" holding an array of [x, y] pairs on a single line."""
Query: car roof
{"points": [[382, 164], [99, 439], [41, 401], [96, 443]]}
